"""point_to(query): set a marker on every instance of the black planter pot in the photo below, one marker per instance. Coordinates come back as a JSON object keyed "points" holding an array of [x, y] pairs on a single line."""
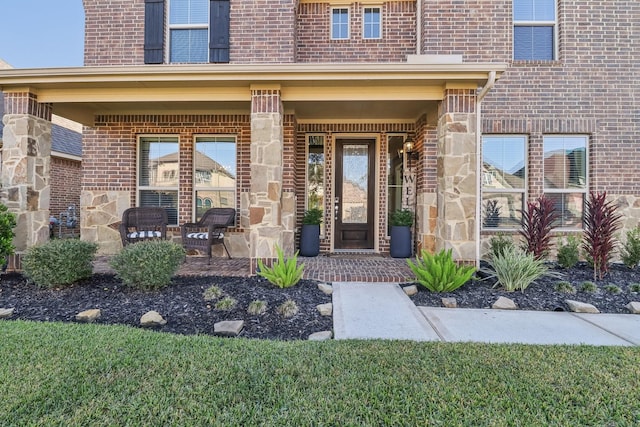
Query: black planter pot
{"points": [[310, 240], [401, 244]]}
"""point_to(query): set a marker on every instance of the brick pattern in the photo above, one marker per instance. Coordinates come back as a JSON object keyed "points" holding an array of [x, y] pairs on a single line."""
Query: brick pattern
{"points": [[479, 30], [266, 101], [398, 40], [262, 31], [109, 151], [591, 89], [65, 185], [26, 103], [114, 32]]}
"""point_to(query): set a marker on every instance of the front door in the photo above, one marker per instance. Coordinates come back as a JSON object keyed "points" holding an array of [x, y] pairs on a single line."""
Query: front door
{"points": [[354, 201]]}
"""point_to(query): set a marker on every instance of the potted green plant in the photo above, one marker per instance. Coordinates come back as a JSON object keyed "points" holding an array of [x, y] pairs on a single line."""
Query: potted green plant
{"points": [[401, 244], [310, 232]]}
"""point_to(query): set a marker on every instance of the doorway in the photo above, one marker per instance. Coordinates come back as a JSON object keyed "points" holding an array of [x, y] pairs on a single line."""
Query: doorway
{"points": [[354, 201]]}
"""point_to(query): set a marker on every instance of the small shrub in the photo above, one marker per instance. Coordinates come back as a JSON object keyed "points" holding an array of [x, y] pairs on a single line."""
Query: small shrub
{"points": [[516, 269], [283, 273], [7, 224], [569, 252], [213, 292], [630, 251], [439, 272], [402, 217], [498, 243], [59, 262], [289, 308], [588, 287], [148, 265], [612, 289], [312, 216], [537, 222], [565, 288], [634, 287], [601, 221], [226, 304], [257, 307]]}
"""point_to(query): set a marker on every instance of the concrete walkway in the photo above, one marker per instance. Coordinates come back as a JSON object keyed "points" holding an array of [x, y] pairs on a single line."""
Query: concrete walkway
{"points": [[383, 311]]}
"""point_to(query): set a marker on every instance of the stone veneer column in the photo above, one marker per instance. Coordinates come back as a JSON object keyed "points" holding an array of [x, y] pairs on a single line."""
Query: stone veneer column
{"points": [[265, 198], [457, 174], [26, 165]]}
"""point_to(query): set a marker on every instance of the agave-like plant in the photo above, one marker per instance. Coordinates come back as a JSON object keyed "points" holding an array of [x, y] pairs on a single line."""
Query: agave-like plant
{"points": [[283, 273], [515, 269], [439, 272]]}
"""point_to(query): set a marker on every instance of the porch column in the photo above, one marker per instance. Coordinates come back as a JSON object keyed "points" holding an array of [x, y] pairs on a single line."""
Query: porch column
{"points": [[265, 197], [457, 174], [26, 165]]}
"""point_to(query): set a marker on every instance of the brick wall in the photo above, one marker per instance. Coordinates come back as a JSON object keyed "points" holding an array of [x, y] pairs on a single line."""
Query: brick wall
{"points": [[591, 89], [109, 151], [65, 184], [479, 30], [398, 40], [262, 31], [114, 32]]}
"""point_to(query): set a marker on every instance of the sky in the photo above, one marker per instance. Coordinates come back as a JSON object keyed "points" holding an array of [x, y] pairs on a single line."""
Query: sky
{"points": [[42, 33]]}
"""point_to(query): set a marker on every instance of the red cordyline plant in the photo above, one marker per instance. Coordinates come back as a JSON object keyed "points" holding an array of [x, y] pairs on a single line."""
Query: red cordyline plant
{"points": [[601, 221], [537, 222]]}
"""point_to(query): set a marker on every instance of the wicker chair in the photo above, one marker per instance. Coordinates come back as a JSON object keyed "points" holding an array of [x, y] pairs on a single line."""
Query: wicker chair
{"points": [[143, 223], [209, 231]]}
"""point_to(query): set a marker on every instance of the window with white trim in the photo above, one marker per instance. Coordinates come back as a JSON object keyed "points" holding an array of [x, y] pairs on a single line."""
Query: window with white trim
{"points": [[339, 23], [372, 23], [158, 167], [565, 177], [504, 177], [214, 177], [534, 29], [189, 31]]}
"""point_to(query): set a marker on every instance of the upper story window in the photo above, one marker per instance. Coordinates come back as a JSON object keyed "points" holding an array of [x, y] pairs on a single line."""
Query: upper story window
{"points": [[198, 31], [535, 29], [372, 23], [565, 177], [339, 23], [504, 177], [188, 31]]}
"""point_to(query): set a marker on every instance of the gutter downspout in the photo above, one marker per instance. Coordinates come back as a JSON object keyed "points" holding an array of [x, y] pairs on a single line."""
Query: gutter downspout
{"points": [[483, 91]]}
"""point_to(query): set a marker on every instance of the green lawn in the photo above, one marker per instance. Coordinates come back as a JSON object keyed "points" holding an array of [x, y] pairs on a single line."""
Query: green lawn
{"points": [[68, 375]]}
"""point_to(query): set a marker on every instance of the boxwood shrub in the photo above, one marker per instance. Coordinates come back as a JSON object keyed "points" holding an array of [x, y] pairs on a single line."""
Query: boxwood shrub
{"points": [[59, 262]]}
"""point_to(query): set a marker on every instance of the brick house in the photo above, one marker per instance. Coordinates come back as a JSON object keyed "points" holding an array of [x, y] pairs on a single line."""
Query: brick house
{"points": [[299, 103]]}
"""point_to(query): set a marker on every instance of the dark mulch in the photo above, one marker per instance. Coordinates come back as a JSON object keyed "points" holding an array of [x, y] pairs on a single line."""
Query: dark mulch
{"points": [[542, 294], [182, 304]]}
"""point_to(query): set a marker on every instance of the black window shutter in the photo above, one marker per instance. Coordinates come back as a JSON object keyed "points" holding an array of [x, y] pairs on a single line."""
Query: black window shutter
{"points": [[219, 31], [153, 31]]}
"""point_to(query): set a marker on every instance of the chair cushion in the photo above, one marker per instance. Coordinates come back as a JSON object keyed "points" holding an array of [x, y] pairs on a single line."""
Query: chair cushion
{"points": [[204, 236], [144, 234]]}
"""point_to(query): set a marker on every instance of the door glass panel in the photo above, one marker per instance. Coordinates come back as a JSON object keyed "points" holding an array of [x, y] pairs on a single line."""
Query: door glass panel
{"points": [[355, 183]]}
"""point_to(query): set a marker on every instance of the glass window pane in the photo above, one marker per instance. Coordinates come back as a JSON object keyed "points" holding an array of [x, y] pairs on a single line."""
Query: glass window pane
{"points": [[315, 172], [214, 174], [569, 207], [340, 23], [183, 12], [534, 10], [355, 183], [190, 46], [502, 210], [158, 157], [371, 23], [207, 199], [533, 43], [565, 162], [165, 199], [503, 162]]}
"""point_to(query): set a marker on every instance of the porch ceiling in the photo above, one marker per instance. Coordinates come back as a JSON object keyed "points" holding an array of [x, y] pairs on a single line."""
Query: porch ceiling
{"points": [[397, 92]]}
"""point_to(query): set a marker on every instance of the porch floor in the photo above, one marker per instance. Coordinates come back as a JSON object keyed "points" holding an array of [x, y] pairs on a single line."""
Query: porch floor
{"points": [[326, 268]]}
